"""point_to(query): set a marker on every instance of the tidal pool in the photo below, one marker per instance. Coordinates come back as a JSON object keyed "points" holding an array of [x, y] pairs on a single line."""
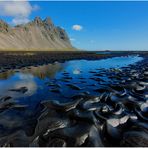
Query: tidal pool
{"points": [[53, 81], [33, 100]]}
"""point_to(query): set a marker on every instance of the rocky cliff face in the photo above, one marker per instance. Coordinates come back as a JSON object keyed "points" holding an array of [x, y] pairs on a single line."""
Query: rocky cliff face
{"points": [[35, 35]]}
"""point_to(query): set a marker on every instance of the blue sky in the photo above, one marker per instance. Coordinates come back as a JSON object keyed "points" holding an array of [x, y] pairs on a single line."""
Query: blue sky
{"points": [[104, 25]]}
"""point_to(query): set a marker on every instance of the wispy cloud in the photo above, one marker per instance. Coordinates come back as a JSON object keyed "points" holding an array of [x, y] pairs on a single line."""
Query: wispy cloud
{"points": [[77, 27], [72, 39], [19, 10], [18, 20]]}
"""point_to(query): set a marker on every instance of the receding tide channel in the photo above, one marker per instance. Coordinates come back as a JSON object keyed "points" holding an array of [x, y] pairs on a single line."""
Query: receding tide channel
{"points": [[75, 103]]}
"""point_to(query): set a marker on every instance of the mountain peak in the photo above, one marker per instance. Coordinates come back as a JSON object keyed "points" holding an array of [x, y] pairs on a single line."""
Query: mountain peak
{"points": [[38, 20], [4, 27], [48, 21]]}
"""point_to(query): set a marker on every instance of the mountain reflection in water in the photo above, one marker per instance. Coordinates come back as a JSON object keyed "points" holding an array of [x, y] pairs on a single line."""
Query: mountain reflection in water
{"points": [[41, 72]]}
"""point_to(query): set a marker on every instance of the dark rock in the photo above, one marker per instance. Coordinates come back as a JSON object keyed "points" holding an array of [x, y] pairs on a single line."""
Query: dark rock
{"points": [[57, 142], [55, 90], [74, 87], [53, 104], [21, 89], [134, 139]]}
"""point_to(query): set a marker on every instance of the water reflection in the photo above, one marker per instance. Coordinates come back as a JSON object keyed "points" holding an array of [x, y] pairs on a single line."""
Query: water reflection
{"points": [[52, 80], [17, 81], [27, 121], [7, 74], [45, 71], [41, 72]]}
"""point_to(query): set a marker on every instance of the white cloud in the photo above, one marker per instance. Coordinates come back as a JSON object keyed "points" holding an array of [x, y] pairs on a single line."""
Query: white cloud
{"points": [[72, 39], [16, 21], [76, 71], [77, 27], [19, 10], [15, 8]]}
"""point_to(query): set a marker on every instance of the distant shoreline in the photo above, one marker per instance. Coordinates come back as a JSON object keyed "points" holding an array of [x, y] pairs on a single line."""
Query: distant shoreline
{"points": [[39, 50]]}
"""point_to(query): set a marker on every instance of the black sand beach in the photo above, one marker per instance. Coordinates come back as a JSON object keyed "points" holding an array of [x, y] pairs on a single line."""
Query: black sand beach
{"points": [[14, 60], [116, 116]]}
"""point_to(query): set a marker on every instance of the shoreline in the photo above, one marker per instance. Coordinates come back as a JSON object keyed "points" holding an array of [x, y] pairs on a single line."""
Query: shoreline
{"points": [[115, 116], [19, 59]]}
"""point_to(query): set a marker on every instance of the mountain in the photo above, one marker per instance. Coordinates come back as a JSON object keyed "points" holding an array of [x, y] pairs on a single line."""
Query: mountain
{"points": [[36, 35]]}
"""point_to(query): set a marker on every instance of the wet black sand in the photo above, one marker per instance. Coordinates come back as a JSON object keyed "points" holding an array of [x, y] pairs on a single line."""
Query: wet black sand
{"points": [[118, 116], [16, 60]]}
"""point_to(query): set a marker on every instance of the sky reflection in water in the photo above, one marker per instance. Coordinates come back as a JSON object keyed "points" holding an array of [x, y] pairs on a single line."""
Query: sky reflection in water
{"points": [[38, 79]]}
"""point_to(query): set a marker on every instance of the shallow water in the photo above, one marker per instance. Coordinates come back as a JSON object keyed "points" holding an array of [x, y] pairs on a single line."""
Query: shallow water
{"points": [[40, 80], [23, 115]]}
